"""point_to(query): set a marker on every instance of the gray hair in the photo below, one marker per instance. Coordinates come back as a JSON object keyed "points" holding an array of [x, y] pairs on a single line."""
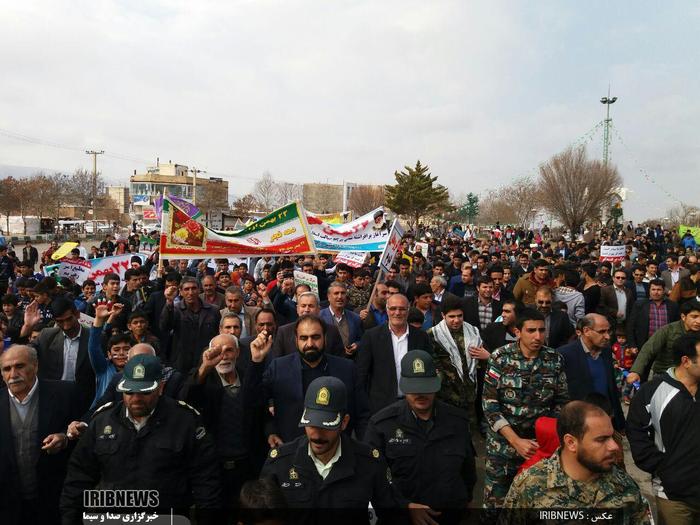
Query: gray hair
{"points": [[337, 284], [440, 279], [30, 350], [308, 294], [229, 316], [235, 339]]}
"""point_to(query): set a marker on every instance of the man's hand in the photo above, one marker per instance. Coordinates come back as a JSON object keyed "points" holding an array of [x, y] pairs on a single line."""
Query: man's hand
{"points": [[54, 443], [364, 313], [274, 441], [116, 310], [525, 447], [479, 353], [260, 346], [422, 514], [102, 311], [75, 429], [350, 350], [632, 377], [212, 356], [170, 294], [32, 315]]}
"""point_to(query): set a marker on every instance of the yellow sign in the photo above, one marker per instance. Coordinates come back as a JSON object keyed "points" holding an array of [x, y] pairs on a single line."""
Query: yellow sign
{"points": [[63, 250]]}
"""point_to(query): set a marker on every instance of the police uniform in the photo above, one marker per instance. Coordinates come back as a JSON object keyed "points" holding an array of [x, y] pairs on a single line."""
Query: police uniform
{"points": [[358, 476], [546, 486], [431, 461], [517, 391], [171, 453]]}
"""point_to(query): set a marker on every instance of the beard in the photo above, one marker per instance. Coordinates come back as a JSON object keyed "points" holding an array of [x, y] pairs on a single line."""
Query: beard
{"points": [[225, 367], [596, 467], [311, 355]]}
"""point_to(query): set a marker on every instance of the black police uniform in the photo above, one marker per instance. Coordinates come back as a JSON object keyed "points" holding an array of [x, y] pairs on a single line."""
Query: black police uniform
{"points": [[172, 454], [431, 462], [359, 476]]}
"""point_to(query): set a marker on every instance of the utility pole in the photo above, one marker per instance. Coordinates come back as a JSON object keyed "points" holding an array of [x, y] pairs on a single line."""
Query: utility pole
{"points": [[194, 172], [606, 127], [94, 187]]}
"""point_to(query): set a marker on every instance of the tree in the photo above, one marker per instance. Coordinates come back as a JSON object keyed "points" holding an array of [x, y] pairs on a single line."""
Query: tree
{"points": [[363, 199], [244, 207], [10, 198], [470, 209], [575, 189], [265, 191], [287, 192], [510, 204], [685, 214], [416, 195]]}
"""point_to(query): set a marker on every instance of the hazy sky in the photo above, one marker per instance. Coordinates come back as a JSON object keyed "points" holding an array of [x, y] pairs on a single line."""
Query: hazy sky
{"points": [[482, 92]]}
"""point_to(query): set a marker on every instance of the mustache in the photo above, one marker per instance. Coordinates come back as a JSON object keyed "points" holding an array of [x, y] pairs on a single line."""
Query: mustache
{"points": [[319, 441], [15, 381]]}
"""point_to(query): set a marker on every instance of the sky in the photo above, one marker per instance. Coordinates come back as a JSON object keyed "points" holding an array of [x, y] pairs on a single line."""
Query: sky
{"points": [[481, 92]]}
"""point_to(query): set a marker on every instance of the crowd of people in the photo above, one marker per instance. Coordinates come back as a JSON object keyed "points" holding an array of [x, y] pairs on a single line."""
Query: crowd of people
{"points": [[233, 393]]}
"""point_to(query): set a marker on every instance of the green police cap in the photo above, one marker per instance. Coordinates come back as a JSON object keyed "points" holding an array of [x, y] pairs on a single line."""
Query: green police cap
{"points": [[325, 403], [142, 374], [418, 374]]}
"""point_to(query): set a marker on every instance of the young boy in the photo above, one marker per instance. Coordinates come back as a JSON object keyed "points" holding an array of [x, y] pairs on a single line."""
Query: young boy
{"points": [[624, 359]]}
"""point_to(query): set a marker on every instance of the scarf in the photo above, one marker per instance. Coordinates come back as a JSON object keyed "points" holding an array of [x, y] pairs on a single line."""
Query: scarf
{"points": [[471, 338]]}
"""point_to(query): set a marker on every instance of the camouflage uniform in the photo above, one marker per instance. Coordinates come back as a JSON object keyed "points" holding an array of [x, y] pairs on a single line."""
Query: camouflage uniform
{"points": [[516, 392], [546, 486], [358, 297], [454, 391]]}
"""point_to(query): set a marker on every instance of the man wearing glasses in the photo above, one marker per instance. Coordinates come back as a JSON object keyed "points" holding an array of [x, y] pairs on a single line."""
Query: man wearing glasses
{"points": [[588, 364], [616, 301], [639, 288], [382, 347]]}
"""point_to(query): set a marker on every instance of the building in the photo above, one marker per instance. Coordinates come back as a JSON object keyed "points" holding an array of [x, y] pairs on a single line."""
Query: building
{"points": [[176, 179], [120, 196], [322, 198]]}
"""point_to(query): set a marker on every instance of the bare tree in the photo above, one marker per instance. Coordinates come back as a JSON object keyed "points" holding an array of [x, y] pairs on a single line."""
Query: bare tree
{"points": [[363, 199], [265, 191], [685, 214], [288, 192], [514, 203], [574, 189], [244, 207]]}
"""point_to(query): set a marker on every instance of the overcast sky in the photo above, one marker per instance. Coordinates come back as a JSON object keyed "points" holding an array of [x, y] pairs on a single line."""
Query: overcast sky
{"points": [[482, 92]]}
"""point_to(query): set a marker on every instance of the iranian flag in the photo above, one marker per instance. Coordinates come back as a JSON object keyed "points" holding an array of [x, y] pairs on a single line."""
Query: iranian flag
{"points": [[282, 232]]}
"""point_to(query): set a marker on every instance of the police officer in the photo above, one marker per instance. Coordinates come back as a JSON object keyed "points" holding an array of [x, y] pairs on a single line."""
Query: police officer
{"points": [[145, 442], [426, 442], [524, 380], [326, 469]]}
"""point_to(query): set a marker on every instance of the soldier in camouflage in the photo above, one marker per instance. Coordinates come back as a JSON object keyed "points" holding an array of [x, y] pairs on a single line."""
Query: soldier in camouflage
{"points": [[358, 292], [581, 476], [524, 380], [456, 348]]}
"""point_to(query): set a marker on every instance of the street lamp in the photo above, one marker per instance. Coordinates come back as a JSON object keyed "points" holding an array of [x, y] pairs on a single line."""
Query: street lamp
{"points": [[606, 128]]}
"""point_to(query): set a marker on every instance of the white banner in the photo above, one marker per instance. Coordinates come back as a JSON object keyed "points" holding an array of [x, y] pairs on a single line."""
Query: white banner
{"points": [[308, 279], [96, 269], [352, 259], [369, 233], [612, 253], [392, 247]]}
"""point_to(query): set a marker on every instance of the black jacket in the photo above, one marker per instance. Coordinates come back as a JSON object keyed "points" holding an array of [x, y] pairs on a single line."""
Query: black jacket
{"points": [[436, 469], [57, 408], [560, 329], [285, 341], [191, 332], [470, 307], [578, 377], [376, 367], [638, 325], [663, 429]]}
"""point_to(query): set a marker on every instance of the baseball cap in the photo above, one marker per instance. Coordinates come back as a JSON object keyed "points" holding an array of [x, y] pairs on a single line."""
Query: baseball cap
{"points": [[418, 374], [325, 403], [142, 374]]}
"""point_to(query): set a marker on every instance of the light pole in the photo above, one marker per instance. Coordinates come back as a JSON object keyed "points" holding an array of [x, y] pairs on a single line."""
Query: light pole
{"points": [[194, 171], [94, 187], [606, 128]]}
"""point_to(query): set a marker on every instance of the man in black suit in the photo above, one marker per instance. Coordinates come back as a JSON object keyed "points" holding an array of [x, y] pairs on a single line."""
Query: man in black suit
{"points": [[616, 301], [63, 349], [285, 342], [381, 350], [482, 310], [648, 315], [34, 415], [558, 328], [279, 389], [588, 363]]}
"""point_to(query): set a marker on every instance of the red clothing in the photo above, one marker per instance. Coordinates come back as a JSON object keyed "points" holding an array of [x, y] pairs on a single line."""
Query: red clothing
{"points": [[546, 434]]}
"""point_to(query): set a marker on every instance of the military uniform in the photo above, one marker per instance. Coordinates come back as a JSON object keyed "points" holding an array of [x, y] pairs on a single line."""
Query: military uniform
{"points": [[517, 391], [460, 393], [359, 476], [546, 486], [435, 468]]}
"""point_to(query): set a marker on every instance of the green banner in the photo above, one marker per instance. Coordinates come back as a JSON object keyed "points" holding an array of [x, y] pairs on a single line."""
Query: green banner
{"points": [[695, 231]]}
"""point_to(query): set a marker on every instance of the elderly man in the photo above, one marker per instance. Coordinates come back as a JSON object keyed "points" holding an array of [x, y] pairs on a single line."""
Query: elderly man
{"points": [[348, 322], [34, 414], [234, 305], [589, 367]]}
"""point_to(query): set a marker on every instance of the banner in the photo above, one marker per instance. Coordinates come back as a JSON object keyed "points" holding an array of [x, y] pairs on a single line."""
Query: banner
{"points": [[282, 232], [352, 259], [392, 247], [149, 214], [612, 253], [185, 205], [369, 233], [695, 232], [306, 278], [142, 200], [95, 269], [332, 218]]}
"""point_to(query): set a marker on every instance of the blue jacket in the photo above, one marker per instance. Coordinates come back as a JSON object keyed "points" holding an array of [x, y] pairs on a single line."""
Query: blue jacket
{"points": [[578, 377], [281, 386], [354, 323]]}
